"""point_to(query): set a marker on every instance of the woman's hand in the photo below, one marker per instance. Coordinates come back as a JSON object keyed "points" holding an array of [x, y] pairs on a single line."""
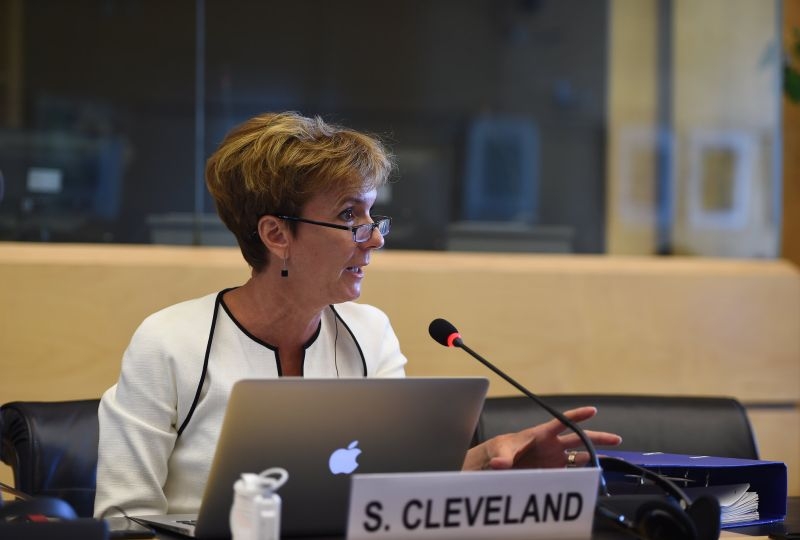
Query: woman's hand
{"points": [[544, 446]]}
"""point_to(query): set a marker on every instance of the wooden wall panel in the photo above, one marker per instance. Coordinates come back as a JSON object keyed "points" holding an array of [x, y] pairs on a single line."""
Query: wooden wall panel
{"points": [[557, 323]]}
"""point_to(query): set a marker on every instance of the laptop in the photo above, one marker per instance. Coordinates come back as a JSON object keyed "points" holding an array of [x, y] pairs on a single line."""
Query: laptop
{"points": [[413, 424]]}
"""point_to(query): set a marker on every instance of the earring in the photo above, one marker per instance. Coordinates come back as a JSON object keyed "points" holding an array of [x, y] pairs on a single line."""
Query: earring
{"points": [[284, 270]]}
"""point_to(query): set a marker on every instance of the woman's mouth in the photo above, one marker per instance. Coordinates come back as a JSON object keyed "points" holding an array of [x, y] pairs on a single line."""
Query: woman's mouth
{"points": [[355, 270]]}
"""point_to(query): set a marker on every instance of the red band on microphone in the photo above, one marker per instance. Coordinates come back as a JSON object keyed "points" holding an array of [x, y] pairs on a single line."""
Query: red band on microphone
{"points": [[451, 338]]}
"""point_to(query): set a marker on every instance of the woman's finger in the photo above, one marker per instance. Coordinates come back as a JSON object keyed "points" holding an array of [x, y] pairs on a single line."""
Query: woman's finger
{"points": [[555, 426], [603, 438]]}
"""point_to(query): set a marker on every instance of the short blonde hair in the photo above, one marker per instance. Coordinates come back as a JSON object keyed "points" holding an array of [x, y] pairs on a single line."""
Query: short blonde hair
{"points": [[274, 163]]}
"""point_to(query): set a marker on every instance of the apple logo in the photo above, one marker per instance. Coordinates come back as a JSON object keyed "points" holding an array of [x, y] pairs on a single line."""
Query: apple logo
{"points": [[343, 460]]}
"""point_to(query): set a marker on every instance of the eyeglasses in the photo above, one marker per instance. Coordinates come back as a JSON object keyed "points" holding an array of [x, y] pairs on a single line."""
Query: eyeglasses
{"points": [[361, 233]]}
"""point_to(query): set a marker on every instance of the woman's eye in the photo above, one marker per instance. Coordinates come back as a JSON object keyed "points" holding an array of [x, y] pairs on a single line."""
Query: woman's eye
{"points": [[347, 215]]}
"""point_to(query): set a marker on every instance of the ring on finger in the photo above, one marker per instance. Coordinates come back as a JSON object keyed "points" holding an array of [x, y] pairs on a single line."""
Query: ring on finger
{"points": [[571, 456]]}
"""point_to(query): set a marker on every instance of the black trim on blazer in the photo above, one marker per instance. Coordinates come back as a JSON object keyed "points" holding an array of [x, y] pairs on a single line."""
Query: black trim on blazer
{"points": [[358, 346], [217, 302]]}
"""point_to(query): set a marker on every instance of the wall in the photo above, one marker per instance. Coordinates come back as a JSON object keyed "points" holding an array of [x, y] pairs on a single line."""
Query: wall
{"points": [[790, 239], [712, 114], [557, 323], [632, 116]]}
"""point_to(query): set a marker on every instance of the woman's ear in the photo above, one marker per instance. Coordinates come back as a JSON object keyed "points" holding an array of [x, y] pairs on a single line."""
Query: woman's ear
{"points": [[275, 235]]}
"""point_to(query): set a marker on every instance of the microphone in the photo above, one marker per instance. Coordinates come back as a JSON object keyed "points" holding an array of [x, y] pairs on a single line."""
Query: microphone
{"points": [[648, 517], [445, 333]]}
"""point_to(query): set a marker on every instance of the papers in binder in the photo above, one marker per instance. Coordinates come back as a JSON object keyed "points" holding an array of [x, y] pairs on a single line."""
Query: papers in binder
{"points": [[750, 491], [737, 504]]}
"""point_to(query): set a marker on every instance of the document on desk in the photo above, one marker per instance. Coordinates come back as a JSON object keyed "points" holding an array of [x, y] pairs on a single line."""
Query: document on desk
{"points": [[750, 491], [530, 504], [737, 504]]}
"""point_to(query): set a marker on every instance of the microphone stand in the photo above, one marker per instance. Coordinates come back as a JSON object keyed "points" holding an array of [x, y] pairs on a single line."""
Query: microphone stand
{"points": [[611, 510]]}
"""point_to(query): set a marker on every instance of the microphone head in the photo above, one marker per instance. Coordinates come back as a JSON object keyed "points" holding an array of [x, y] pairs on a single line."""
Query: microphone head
{"points": [[443, 332]]}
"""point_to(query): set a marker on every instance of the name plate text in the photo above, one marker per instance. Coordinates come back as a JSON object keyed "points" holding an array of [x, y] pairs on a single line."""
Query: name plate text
{"points": [[529, 503]]}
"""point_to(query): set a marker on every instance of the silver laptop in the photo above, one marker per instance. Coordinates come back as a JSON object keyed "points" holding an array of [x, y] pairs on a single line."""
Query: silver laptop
{"points": [[400, 425]]}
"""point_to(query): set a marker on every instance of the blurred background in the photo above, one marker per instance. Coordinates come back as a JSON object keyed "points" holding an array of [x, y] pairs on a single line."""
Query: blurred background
{"points": [[611, 127]]}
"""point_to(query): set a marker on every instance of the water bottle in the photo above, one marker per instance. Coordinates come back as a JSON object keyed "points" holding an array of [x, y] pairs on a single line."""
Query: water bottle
{"points": [[256, 510]]}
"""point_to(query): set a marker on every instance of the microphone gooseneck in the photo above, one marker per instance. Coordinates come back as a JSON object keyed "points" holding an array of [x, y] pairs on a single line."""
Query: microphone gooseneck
{"points": [[649, 517], [444, 333]]}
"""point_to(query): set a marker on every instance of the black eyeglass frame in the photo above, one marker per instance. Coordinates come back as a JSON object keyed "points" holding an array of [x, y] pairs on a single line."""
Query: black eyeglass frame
{"points": [[377, 223]]}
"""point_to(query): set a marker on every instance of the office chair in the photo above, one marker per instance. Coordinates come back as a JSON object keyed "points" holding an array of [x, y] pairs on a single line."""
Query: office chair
{"points": [[715, 426], [52, 449]]}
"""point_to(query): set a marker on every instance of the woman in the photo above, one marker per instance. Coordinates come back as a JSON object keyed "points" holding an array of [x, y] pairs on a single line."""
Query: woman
{"points": [[297, 193]]}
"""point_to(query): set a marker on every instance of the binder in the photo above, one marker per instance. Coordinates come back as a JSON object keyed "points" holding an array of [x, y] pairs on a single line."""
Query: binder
{"points": [[707, 474]]}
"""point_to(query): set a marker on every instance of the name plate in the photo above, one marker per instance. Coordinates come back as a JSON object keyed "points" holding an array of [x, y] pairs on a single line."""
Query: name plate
{"points": [[519, 503]]}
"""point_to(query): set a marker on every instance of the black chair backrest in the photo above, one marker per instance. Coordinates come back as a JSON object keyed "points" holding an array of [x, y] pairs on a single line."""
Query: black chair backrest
{"points": [[52, 449], [715, 426]]}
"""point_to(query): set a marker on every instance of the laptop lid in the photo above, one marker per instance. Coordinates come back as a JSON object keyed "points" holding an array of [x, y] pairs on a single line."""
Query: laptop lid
{"points": [[321, 430]]}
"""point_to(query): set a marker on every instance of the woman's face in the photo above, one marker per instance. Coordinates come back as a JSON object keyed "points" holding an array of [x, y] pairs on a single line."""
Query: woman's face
{"points": [[326, 262]]}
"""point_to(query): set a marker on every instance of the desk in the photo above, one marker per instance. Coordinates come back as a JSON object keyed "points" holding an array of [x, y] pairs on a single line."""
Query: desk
{"points": [[792, 523]]}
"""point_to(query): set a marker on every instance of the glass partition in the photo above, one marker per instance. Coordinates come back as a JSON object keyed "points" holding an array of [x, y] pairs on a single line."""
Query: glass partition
{"points": [[615, 126]]}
